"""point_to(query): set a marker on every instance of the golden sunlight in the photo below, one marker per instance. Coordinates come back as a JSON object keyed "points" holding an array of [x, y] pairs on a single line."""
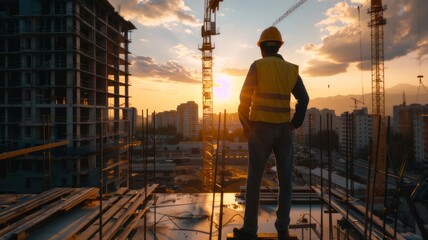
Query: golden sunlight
{"points": [[222, 89]]}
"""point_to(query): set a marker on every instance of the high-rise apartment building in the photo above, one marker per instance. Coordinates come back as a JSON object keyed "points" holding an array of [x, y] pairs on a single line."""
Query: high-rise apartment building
{"points": [[355, 131], [166, 118], [309, 126], [187, 121], [315, 121], [404, 116], [420, 133], [64, 75]]}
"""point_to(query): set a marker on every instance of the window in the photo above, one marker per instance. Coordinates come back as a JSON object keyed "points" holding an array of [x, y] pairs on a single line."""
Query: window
{"points": [[60, 7], [27, 43], [27, 131], [28, 79], [27, 182], [28, 61]]}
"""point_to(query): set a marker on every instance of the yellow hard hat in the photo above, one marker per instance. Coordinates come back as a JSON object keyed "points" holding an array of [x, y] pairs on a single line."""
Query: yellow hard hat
{"points": [[270, 34]]}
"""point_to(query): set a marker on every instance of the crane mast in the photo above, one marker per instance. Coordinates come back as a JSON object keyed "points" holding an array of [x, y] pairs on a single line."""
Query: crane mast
{"points": [[377, 57], [208, 30], [377, 21]]}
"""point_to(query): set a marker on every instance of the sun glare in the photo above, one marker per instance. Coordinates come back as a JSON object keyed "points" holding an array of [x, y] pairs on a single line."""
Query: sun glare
{"points": [[222, 89]]}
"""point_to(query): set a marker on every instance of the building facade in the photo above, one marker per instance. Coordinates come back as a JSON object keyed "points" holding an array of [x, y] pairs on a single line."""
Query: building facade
{"points": [[187, 121], [404, 116], [166, 118], [64, 75], [355, 131], [420, 133]]}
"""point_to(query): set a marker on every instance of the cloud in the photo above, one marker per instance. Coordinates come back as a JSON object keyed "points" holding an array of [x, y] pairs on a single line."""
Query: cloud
{"points": [[147, 67], [183, 52], [342, 27], [324, 68], [235, 72], [156, 12]]}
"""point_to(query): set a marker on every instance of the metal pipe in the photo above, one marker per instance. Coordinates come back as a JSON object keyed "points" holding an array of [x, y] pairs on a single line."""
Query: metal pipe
{"points": [[154, 173], [220, 222], [321, 180], [347, 125], [376, 160], [368, 190], [310, 173], [330, 169], [352, 155], [215, 175], [143, 137], [101, 173], [386, 181]]}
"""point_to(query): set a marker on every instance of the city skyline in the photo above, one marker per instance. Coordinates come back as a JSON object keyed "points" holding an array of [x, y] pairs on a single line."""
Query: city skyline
{"points": [[323, 37]]}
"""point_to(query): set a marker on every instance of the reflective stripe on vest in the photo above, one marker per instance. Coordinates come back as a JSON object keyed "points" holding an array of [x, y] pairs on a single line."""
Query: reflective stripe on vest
{"points": [[275, 80]]}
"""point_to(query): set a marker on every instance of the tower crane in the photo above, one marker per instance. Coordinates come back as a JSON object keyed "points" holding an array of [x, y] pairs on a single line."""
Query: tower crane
{"points": [[419, 87], [377, 21], [356, 101], [289, 11], [208, 30]]}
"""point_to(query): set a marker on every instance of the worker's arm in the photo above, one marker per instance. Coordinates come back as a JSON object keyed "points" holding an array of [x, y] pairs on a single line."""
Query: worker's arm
{"points": [[245, 98], [302, 97]]}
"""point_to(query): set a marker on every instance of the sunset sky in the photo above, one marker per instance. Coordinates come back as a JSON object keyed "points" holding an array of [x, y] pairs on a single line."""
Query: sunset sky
{"points": [[322, 37]]}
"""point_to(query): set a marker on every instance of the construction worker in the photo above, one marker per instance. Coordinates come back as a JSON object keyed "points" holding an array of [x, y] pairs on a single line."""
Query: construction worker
{"points": [[265, 114]]}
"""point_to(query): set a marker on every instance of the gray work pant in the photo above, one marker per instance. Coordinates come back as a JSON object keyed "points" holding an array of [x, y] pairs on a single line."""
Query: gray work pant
{"points": [[265, 138]]}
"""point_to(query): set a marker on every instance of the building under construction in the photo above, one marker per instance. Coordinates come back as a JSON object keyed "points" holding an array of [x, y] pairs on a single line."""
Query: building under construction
{"points": [[64, 76]]}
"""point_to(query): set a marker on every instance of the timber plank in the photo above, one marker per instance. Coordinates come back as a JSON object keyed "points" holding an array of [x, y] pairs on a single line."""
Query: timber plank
{"points": [[91, 230], [75, 227], [20, 227], [267, 236], [116, 223], [16, 210]]}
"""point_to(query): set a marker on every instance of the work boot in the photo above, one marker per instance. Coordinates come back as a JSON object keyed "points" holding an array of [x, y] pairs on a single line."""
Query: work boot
{"points": [[241, 234], [283, 235]]}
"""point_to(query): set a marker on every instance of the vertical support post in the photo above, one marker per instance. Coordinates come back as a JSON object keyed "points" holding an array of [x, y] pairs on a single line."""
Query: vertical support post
{"points": [[154, 171], [220, 222], [347, 170], [310, 174], [145, 153], [131, 148], [322, 180], [101, 172], [214, 180], [330, 169]]}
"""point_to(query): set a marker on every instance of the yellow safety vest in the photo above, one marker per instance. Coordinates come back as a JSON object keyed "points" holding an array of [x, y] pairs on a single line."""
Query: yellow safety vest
{"points": [[271, 99]]}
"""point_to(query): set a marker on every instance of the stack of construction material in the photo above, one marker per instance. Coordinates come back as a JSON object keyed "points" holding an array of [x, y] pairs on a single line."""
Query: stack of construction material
{"points": [[64, 213]]}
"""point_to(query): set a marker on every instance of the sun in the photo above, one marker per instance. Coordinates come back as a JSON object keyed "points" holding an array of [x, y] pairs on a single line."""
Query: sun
{"points": [[222, 89]]}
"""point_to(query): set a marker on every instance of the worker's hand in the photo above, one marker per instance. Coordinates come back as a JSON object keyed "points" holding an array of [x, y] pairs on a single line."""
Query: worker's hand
{"points": [[248, 132]]}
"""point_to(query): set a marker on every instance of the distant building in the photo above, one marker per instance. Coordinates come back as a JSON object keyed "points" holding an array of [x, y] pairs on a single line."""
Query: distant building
{"points": [[315, 121], [166, 118], [355, 131], [187, 121], [64, 75], [404, 116], [182, 150], [310, 126], [232, 121], [329, 114], [420, 133], [165, 173]]}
